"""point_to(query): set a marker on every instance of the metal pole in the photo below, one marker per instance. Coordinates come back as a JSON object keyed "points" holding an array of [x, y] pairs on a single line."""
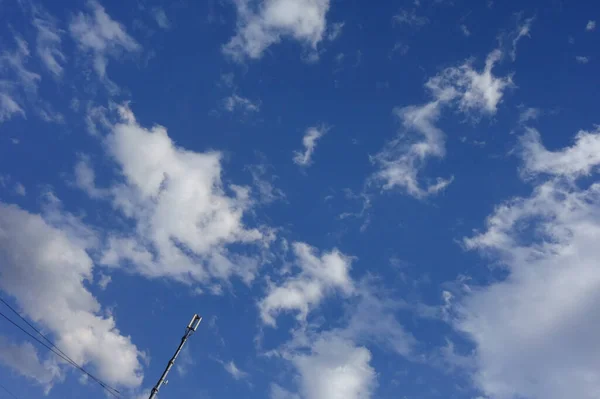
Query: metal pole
{"points": [[188, 331]]}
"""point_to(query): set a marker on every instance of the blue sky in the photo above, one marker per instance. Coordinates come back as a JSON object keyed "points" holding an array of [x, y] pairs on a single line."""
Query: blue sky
{"points": [[391, 201]]}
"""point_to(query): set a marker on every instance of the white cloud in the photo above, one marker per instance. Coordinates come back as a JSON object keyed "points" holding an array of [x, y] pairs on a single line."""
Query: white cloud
{"points": [[590, 26], [335, 369], [319, 275], [20, 189], [9, 107], [309, 141], [15, 63], [185, 218], [85, 178], [465, 31], [335, 31], [529, 114], [473, 92], [278, 392], [264, 184], [399, 163], [48, 114], [582, 59], [535, 330], [235, 102], [48, 42], [99, 34], [262, 23], [399, 47], [24, 359], [372, 320], [581, 159], [104, 281], [49, 256], [410, 17], [235, 372], [184, 361], [522, 30], [161, 18]]}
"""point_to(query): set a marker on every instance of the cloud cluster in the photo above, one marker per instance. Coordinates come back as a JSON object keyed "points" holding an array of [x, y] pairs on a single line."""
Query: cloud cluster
{"points": [[534, 331], [334, 363], [472, 92], [49, 256], [184, 217], [262, 23]]}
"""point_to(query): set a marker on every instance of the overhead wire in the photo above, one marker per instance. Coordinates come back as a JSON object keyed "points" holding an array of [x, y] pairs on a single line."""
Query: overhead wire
{"points": [[54, 349], [8, 392]]}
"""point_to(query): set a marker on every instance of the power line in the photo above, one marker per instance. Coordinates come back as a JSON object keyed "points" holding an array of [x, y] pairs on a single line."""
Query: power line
{"points": [[9, 392], [56, 351], [38, 331]]}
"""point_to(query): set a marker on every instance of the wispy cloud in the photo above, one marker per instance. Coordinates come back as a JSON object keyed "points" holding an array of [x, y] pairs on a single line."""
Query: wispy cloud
{"points": [[410, 18], [96, 32], [309, 141], [236, 102], [234, 371], [472, 92], [48, 41]]}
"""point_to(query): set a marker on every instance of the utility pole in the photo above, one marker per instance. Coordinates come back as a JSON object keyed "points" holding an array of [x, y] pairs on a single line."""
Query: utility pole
{"points": [[188, 331]]}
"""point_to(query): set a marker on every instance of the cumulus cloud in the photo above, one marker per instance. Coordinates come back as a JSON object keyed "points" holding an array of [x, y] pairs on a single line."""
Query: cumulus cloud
{"points": [[539, 324], [184, 217], [235, 102], [590, 26], [48, 41], [318, 275], [582, 59], [309, 141], [49, 256], [335, 368], [333, 363], [96, 32], [472, 92], [262, 23]]}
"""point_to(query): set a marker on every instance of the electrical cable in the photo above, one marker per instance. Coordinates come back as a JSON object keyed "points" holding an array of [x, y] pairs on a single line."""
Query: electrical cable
{"points": [[8, 392], [57, 351]]}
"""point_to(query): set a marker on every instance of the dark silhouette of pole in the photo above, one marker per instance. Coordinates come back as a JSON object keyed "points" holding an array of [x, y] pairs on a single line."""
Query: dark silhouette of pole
{"points": [[188, 331]]}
